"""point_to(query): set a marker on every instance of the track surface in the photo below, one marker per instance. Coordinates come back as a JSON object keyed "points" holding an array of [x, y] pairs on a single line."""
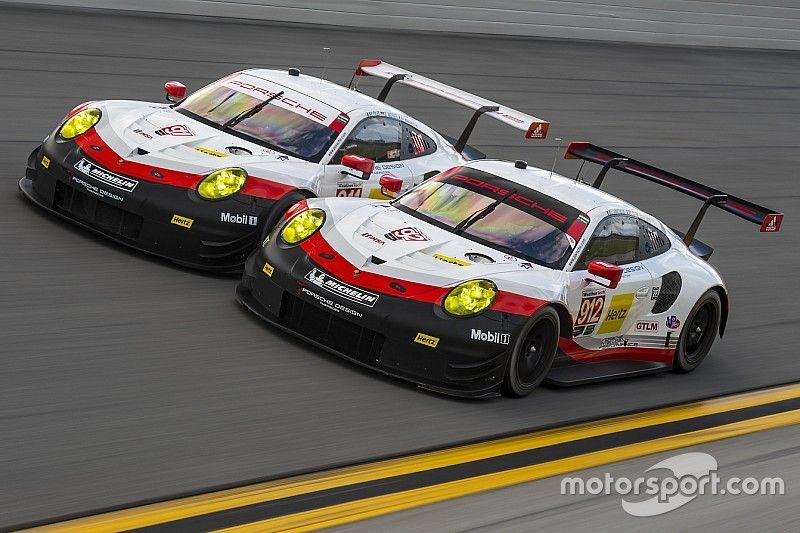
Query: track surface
{"points": [[125, 378], [539, 506]]}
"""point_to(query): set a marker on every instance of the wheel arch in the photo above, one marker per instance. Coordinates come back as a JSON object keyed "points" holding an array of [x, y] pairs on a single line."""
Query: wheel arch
{"points": [[564, 318], [723, 298]]}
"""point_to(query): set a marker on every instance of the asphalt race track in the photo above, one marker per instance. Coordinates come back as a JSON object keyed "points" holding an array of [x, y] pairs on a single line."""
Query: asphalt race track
{"points": [[124, 378]]}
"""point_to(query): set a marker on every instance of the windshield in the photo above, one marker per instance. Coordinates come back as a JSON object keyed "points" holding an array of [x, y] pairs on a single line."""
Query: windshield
{"points": [[276, 125], [526, 224]]}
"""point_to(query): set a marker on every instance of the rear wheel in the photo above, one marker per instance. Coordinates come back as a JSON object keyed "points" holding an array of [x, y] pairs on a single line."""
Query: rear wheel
{"points": [[533, 353], [275, 214], [698, 333]]}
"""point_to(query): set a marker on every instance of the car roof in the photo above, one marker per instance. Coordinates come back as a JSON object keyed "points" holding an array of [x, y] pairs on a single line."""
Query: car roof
{"points": [[333, 94], [576, 194]]}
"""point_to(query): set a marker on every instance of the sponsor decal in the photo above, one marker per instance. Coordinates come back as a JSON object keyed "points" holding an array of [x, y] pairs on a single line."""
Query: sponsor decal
{"points": [[387, 166], [45, 161], [591, 308], [614, 342], [647, 325], [97, 191], [373, 238], [268, 269], [772, 223], [673, 322], [526, 266], [427, 340], [589, 329], [518, 198], [577, 331], [654, 293], [143, 134], [617, 313], [182, 221], [236, 218], [406, 234], [642, 292], [176, 130], [490, 336], [209, 151], [510, 258], [451, 260], [84, 166], [282, 101], [535, 133], [341, 289], [349, 189], [632, 268], [330, 304]]}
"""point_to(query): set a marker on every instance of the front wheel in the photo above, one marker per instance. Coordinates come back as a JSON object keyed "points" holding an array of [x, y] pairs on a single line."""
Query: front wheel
{"points": [[698, 334], [533, 353]]}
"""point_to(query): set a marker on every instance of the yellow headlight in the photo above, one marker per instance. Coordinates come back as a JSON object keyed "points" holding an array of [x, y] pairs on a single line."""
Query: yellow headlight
{"points": [[303, 225], [222, 183], [470, 298], [79, 123]]}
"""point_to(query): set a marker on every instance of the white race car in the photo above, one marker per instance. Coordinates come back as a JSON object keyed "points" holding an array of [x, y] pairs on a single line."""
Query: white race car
{"points": [[197, 180], [493, 276]]}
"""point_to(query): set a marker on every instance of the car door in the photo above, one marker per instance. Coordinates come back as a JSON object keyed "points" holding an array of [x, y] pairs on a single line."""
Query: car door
{"points": [[604, 317], [378, 138]]}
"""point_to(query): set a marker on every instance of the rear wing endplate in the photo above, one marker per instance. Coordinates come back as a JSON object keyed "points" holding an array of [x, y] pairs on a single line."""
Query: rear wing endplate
{"points": [[534, 128], [767, 219]]}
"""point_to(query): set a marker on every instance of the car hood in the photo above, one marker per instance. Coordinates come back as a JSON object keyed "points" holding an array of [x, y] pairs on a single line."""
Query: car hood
{"points": [[380, 238], [157, 134]]}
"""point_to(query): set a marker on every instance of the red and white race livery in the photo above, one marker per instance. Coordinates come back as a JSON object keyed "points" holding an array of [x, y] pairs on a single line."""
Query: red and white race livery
{"points": [[197, 181], [493, 276]]}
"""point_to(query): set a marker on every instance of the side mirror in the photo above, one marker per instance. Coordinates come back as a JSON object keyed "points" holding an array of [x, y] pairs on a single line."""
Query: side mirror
{"points": [[607, 271], [176, 91], [364, 165], [390, 185]]}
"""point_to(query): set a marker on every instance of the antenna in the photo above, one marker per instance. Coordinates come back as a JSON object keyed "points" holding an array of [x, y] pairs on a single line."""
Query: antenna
{"points": [[326, 54], [555, 156]]}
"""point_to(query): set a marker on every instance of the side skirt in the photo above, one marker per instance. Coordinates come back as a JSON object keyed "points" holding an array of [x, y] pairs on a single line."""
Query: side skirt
{"points": [[582, 373]]}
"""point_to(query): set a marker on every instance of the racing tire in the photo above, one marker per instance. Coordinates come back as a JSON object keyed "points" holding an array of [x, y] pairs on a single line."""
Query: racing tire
{"points": [[277, 211], [702, 326], [533, 353]]}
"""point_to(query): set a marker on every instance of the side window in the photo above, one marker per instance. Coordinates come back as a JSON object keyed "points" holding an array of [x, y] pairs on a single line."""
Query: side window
{"points": [[378, 138], [616, 240], [652, 241], [416, 143]]}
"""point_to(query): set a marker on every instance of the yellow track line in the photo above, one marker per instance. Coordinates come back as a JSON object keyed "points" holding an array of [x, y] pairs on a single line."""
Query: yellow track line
{"points": [[181, 508], [379, 505]]}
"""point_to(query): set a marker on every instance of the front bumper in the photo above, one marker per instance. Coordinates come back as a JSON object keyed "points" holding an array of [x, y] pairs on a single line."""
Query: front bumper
{"points": [[394, 335], [160, 219]]}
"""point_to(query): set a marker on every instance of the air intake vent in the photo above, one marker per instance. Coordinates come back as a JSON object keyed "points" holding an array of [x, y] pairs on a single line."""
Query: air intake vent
{"points": [[670, 289]]}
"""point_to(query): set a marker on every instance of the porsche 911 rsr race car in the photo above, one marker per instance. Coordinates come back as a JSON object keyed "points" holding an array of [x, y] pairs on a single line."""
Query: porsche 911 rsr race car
{"points": [[493, 276], [197, 180]]}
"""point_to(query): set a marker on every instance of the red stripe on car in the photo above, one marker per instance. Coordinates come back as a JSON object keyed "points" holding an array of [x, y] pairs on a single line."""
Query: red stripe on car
{"points": [[90, 141], [323, 254], [579, 353]]}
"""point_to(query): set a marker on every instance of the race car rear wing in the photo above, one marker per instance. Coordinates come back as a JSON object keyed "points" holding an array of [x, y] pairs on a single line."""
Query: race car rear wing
{"points": [[534, 128], [769, 220]]}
